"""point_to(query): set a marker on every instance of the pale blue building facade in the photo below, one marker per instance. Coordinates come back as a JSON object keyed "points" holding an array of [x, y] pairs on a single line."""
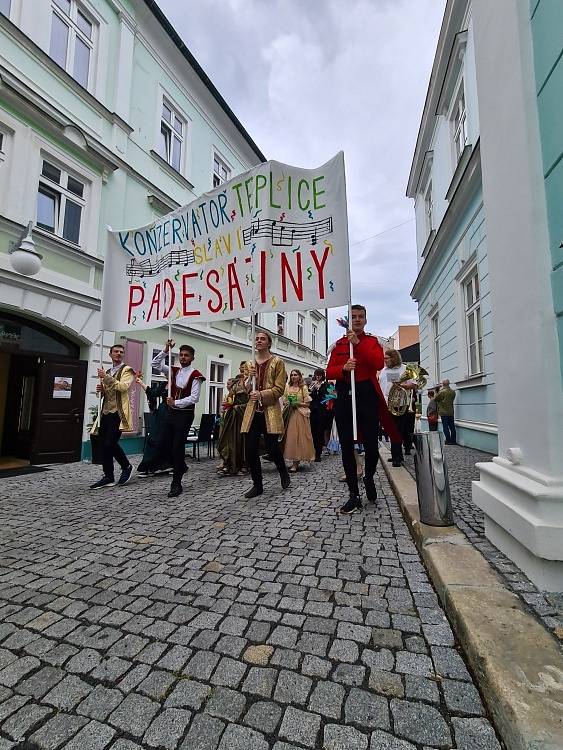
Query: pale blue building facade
{"points": [[452, 287]]}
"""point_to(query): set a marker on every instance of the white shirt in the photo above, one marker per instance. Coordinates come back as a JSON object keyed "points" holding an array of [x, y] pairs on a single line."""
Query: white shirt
{"points": [[388, 376], [182, 377]]}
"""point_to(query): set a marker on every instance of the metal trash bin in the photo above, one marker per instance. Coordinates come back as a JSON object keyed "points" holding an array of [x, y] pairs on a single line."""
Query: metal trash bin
{"points": [[432, 483]]}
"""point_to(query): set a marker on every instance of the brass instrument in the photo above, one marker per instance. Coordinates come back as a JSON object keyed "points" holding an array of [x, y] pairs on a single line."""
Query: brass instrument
{"points": [[399, 399]]}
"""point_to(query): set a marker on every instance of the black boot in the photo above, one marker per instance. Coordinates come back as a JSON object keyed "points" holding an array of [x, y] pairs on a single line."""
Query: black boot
{"points": [[371, 492], [175, 487], [285, 480], [254, 491]]}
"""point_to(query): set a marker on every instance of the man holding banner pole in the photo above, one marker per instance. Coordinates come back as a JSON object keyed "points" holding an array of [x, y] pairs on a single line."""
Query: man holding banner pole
{"points": [[184, 385], [354, 363]]}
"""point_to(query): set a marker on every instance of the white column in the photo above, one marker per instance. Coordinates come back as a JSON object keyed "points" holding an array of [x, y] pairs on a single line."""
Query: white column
{"points": [[521, 491]]}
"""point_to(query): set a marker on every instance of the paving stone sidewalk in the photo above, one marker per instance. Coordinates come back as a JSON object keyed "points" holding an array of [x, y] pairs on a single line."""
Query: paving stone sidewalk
{"points": [[548, 607], [214, 623]]}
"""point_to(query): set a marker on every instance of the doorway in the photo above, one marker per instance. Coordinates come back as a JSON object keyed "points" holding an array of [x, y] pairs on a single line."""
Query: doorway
{"points": [[42, 394]]}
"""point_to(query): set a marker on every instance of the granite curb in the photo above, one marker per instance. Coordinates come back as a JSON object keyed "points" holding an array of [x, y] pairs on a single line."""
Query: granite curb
{"points": [[521, 682]]}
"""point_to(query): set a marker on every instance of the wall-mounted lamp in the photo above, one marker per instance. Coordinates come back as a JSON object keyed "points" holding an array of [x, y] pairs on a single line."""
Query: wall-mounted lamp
{"points": [[23, 256]]}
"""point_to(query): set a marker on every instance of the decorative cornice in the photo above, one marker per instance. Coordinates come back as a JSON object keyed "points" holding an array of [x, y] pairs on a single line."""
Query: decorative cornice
{"points": [[455, 64]]}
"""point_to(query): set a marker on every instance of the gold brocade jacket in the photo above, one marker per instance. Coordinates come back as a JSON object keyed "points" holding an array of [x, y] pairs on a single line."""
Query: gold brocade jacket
{"points": [[274, 380], [116, 396]]}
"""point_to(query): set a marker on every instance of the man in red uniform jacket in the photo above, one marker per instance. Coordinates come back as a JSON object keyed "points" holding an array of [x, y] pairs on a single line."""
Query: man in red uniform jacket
{"points": [[370, 404]]}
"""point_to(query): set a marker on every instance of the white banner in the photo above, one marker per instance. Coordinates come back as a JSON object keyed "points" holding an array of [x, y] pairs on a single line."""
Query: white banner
{"points": [[273, 239]]}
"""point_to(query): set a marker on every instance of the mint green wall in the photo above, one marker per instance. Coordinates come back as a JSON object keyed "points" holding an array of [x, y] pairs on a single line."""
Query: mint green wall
{"points": [[547, 34]]}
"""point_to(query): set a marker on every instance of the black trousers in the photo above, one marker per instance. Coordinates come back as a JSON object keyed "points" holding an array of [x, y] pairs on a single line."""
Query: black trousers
{"points": [[368, 427], [175, 430], [109, 437], [448, 425], [405, 427], [318, 423], [258, 428]]}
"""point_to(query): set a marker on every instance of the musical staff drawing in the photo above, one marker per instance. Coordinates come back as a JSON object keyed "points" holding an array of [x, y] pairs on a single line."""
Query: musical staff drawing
{"points": [[287, 234], [153, 266]]}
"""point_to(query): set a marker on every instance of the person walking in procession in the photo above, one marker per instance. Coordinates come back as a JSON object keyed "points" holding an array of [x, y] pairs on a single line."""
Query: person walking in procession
{"points": [[263, 414], [185, 388], [115, 417], [432, 412], [392, 372], [231, 441], [366, 361], [298, 442], [319, 415], [445, 399]]}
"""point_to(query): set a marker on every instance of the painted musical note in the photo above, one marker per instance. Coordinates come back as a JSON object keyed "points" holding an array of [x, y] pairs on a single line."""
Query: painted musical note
{"points": [[134, 319], [274, 303], [144, 314], [331, 285], [209, 243], [330, 247], [295, 249], [201, 275], [257, 212], [280, 182], [225, 307], [177, 275], [282, 216], [233, 215], [309, 273], [222, 269], [310, 214], [253, 249]]}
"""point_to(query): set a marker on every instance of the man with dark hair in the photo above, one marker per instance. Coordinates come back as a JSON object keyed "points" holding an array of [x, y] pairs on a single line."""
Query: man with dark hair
{"points": [[367, 359], [115, 417], [185, 390], [263, 415]]}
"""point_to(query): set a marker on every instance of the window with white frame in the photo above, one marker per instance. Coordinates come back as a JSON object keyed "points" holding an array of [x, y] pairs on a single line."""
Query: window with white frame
{"points": [[221, 172], [459, 123], [5, 7], [280, 324], [429, 208], [61, 202], [172, 137], [216, 387], [300, 327], [473, 325], [435, 329], [72, 43], [313, 336]]}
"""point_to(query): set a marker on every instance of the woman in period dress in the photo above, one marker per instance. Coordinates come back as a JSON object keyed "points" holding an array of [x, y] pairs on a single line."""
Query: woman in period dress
{"points": [[298, 443], [156, 397], [319, 413], [231, 441]]}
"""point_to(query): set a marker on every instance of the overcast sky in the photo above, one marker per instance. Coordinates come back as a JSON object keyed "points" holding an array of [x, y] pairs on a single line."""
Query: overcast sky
{"points": [[308, 78]]}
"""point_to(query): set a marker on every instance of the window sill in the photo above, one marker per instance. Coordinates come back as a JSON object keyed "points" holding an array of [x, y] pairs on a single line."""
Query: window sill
{"points": [[171, 171], [459, 170], [429, 243], [471, 381], [56, 243]]}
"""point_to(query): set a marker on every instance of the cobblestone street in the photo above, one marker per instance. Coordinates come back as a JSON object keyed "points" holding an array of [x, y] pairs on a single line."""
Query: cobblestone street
{"points": [[210, 621]]}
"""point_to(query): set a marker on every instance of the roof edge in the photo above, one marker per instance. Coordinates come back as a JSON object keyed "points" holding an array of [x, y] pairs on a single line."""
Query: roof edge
{"points": [[182, 47]]}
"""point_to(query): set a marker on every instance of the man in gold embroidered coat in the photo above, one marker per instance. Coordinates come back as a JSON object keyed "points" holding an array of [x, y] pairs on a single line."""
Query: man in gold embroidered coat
{"points": [[115, 417], [263, 414]]}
